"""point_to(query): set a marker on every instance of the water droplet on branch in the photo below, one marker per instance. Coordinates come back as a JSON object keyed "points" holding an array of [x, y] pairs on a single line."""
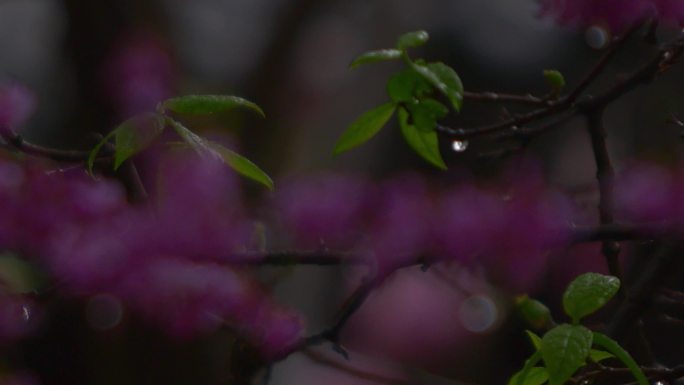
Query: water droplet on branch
{"points": [[459, 145]]}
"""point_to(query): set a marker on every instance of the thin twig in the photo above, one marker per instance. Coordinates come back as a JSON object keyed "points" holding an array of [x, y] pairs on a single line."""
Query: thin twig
{"points": [[488, 96]]}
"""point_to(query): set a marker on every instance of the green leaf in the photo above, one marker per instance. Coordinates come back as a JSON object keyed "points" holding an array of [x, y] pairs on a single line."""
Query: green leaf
{"points": [[407, 85], [236, 161], [195, 141], [135, 135], [534, 312], [527, 368], [412, 39], [18, 276], [375, 56], [613, 347], [535, 376], [535, 339], [426, 112], [424, 143], [565, 349], [444, 79], [130, 137], [242, 165], [599, 355], [96, 150], [588, 293], [555, 80], [209, 104], [364, 128]]}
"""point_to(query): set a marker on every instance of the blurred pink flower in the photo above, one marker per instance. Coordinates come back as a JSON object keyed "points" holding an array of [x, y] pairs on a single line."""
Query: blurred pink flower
{"points": [[138, 74], [17, 103], [329, 209], [615, 14]]}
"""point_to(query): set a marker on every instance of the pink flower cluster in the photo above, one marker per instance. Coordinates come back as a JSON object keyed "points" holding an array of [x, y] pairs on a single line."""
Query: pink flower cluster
{"points": [[174, 262], [651, 194], [508, 230], [615, 14]]}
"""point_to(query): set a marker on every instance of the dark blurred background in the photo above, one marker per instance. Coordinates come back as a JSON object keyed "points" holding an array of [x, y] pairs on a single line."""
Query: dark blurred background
{"points": [[95, 63]]}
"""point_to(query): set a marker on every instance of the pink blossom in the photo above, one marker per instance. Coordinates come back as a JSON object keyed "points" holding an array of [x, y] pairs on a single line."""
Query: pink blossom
{"points": [[399, 232], [328, 209], [16, 105], [139, 74], [615, 14]]}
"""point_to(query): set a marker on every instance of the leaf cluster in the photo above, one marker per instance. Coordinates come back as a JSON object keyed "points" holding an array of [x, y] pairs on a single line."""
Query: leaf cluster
{"points": [[413, 96], [566, 348], [139, 132]]}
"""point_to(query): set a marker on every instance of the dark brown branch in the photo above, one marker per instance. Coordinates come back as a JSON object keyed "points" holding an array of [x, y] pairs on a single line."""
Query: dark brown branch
{"points": [[641, 293], [571, 104], [605, 175], [501, 97], [288, 258], [615, 46], [18, 142]]}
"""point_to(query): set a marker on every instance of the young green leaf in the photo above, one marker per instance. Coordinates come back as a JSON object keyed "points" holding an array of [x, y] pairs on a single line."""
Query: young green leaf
{"points": [[588, 293], [424, 143], [534, 339], [195, 141], [534, 312], [444, 79], [96, 150], [555, 80], [375, 56], [612, 346], [135, 135], [535, 376], [242, 165], [426, 112], [412, 39], [599, 355], [364, 128], [208, 104], [19, 276], [565, 349], [236, 161], [407, 85], [527, 368]]}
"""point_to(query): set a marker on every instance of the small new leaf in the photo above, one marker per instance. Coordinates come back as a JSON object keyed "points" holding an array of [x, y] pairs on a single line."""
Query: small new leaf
{"points": [[375, 57], [535, 376], [599, 355], [612, 346], [364, 128], [534, 339], [130, 137], [209, 104], [424, 143], [234, 160], [242, 165], [444, 79], [426, 112], [534, 312], [565, 349], [134, 135], [588, 293], [407, 85], [555, 80], [412, 39]]}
